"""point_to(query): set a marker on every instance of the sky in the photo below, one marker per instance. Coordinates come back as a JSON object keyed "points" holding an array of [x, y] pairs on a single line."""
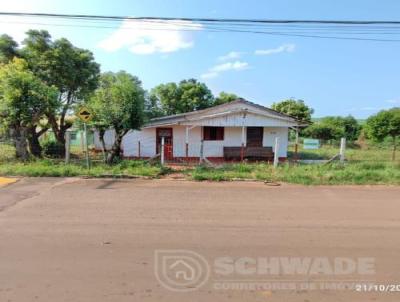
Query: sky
{"points": [[334, 77]]}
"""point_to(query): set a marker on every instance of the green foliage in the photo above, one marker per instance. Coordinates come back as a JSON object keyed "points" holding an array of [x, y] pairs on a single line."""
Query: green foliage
{"points": [[118, 102], [225, 97], [188, 95], [24, 98], [384, 124], [295, 108], [334, 128], [152, 107], [53, 149], [8, 48], [70, 69]]}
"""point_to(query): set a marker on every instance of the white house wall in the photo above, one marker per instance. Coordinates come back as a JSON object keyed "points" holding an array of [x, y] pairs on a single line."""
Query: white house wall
{"points": [[109, 138], [232, 138], [270, 133], [147, 138]]}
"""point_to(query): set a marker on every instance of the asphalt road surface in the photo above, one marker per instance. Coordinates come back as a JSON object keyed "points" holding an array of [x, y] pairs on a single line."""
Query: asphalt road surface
{"points": [[167, 240]]}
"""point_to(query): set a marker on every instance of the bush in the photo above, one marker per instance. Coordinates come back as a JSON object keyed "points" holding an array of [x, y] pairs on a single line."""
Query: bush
{"points": [[53, 149]]}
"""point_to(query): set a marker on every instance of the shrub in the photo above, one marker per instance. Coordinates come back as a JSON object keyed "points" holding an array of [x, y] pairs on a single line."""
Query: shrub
{"points": [[53, 149]]}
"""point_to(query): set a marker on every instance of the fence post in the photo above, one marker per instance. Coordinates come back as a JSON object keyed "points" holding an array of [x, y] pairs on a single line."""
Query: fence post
{"points": [[139, 149], [276, 151], [162, 150], [86, 146], [296, 146], [342, 149], [67, 146]]}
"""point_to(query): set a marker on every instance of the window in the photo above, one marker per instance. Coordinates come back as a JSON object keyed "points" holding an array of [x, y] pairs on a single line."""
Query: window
{"points": [[213, 133], [73, 136]]}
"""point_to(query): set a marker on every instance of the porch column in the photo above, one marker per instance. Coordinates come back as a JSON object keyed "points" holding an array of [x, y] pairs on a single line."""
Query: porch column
{"points": [[187, 144], [243, 143], [201, 144]]}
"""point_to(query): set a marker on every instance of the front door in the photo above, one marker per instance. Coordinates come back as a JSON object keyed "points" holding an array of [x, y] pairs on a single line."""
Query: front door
{"points": [[167, 134], [255, 136]]}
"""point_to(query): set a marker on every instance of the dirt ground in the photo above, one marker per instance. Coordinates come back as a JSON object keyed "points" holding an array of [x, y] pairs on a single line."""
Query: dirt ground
{"points": [[95, 240]]}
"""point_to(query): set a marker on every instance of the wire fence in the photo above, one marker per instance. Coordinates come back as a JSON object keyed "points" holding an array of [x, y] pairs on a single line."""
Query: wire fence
{"points": [[76, 152], [7, 150]]}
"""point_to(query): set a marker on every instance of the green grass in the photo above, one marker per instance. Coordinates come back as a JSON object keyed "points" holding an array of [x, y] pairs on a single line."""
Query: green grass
{"points": [[365, 166], [43, 168], [7, 152], [332, 174], [372, 153]]}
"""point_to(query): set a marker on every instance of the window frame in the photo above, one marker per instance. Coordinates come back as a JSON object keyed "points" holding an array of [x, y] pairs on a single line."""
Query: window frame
{"points": [[208, 135]]}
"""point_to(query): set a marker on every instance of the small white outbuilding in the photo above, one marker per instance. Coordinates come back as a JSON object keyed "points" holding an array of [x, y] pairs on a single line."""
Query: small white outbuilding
{"points": [[235, 130]]}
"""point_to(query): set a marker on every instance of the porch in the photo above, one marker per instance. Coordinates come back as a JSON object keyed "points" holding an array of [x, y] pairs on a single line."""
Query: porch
{"points": [[217, 144]]}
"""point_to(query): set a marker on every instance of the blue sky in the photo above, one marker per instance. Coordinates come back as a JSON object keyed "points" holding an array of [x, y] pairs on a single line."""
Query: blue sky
{"points": [[335, 77]]}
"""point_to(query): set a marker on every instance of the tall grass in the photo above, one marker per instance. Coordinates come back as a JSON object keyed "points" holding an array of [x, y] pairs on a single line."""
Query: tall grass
{"points": [[369, 153], [42, 168], [349, 173]]}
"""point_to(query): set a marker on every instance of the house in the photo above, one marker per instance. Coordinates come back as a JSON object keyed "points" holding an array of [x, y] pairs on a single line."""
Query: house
{"points": [[76, 137], [235, 130]]}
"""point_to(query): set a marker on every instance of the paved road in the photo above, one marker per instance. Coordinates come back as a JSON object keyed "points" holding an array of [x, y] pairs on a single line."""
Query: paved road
{"points": [[94, 240]]}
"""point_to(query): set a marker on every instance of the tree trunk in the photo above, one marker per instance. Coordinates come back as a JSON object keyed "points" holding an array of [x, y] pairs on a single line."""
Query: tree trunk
{"points": [[19, 135], [33, 141], [394, 149], [116, 148], [59, 132], [102, 132]]}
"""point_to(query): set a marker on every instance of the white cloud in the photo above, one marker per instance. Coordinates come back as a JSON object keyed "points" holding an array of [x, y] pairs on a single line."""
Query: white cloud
{"points": [[237, 65], [217, 69], [16, 27], [369, 108], [282, 48], [230, 56], [209, 75], [145, 37], [393, 101]]}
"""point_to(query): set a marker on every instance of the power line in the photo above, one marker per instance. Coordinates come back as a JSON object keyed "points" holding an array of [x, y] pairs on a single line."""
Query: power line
{"points": [[272, 21], [321, 29]]}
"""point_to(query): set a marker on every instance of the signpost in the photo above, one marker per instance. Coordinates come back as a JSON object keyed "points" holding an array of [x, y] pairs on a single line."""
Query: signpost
{"points": [[85, 114], [311, 144]]}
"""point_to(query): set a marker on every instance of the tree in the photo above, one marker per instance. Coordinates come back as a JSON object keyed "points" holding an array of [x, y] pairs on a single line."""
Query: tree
{"points": [[8, 48], [352, 128], [188, 95], [295, 108], [118, 104], [225, 97], [71, 70], [152, 107], [334, 128], [322, 131], [384, 124], [24, 99]]}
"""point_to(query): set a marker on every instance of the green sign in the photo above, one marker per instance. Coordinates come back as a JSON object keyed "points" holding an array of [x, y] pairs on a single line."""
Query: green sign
{"points": [[309, 143]]}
